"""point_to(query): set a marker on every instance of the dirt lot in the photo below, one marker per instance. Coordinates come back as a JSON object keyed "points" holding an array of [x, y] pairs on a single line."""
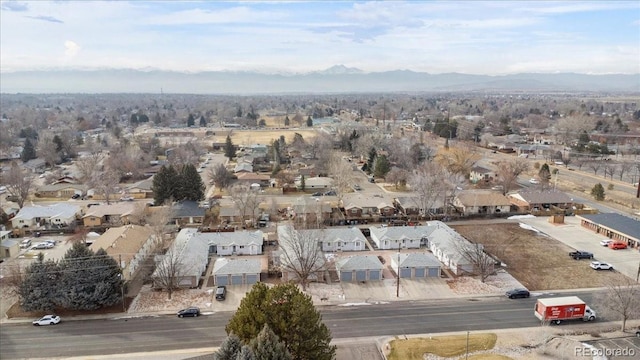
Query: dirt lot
{"points": [[537, 261]]}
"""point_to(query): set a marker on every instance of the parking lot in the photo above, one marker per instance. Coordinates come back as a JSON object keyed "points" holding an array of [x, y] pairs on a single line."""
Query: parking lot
{"points": [[625, 261], [627, 347]]}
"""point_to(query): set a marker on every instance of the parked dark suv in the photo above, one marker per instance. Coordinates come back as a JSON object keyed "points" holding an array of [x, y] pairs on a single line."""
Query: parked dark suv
{"points": [[518, 293], [192, 311], [221, 292]]}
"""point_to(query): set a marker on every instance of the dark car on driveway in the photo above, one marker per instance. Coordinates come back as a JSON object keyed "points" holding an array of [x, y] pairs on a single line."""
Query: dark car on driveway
{"points": [[221, 292], [192, 311], [518, 293]]}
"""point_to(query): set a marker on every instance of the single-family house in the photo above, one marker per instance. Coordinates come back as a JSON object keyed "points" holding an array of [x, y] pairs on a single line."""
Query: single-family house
{"points": [[402, 237], [115, 214], [315, 183], [60, 214], [187, 255], [243, 166], [361, 205], [249, 178], [445, 245], [539, 200], [141, 189], [187, 213], [416, 265], [60, 190], [129, 245], [229, 214], [481, 202], [481, 174], [233, 243], [310, 211], [412, 205], [342, 239], [359, 268], [35, 165], [236, 271]]}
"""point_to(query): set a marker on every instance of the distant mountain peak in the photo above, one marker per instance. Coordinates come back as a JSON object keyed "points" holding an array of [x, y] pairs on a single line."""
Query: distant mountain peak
{"points": [[340, 70]]}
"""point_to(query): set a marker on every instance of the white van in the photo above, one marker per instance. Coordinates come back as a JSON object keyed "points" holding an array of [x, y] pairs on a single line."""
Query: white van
{"points": [[24, 244]]}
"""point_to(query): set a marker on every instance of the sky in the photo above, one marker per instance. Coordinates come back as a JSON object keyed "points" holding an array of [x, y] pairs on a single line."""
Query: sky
{"points": [[471, 37]]}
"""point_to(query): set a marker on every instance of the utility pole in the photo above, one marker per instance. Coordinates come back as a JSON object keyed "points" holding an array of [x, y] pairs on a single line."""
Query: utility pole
{"points": [[398, 273], [121, 282]]}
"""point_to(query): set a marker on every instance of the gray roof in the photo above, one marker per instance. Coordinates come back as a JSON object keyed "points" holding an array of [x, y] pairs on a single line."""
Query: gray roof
{"points": [[62, 186], [232, 238], [142, 184], [543, 196], [359, 262], [224, 266], [346, 235], [620, 223], [403, 232], [418, 260], [359, 200], [61, 210], [444, 238], [482, 198], [187, 208], [9, 243], [191, 252]]}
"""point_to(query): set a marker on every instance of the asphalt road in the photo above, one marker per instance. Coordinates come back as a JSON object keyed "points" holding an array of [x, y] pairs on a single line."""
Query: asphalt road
{"points": [[123, 336]]}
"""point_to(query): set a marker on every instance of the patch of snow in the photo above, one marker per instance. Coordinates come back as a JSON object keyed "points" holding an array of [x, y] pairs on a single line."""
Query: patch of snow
{"points": [[595, 352], [354, 304], [528, 227], [516, 217]]}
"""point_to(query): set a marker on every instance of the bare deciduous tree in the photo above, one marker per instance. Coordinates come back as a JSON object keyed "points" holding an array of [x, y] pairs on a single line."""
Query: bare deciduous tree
{"points": [[88, 165], [594, 166], [158, 219], [483, 263], [621, 300], [18, 183], [342, 173], [427, 181], [220, 176], [246, 201], [458, 159], [625, 167], [300, 253], [106, 183], [508, 172], [169, 270]]}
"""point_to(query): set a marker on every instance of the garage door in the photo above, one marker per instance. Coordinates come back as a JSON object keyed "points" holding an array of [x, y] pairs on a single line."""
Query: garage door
{"points": [[252, 279], [236, 280], [405, 273], [420, 272], [346, 276], [374, 275], [361, 275], [222, 280], [434, 272]]}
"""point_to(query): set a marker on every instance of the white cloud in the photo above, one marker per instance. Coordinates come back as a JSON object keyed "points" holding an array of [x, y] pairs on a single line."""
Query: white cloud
{"points": [[71, 49]]}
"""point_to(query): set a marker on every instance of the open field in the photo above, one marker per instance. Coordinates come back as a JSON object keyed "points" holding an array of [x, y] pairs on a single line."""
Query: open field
{"points": [[249, 137], [536, 261]]}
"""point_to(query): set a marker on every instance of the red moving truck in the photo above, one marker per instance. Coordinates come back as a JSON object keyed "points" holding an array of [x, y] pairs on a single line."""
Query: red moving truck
{"points": [[555, 310]]}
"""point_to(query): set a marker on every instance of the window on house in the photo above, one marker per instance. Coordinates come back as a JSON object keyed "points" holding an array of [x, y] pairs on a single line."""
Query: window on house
{"points": [[357, 243], [354, 211]]}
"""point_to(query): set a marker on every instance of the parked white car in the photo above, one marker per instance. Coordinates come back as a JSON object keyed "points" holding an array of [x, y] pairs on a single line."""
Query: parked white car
{"points": [[47, 320], [606, 242], [534, 181], [597, 265]]}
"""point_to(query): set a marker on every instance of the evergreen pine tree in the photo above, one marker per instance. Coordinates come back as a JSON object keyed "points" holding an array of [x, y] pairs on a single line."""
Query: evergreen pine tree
{"points": [[371, 160], [39, 289], [246, 353], [309, 121], [267, 346], [382, 167], [191, 185], [28, 151], [229, 348], [287, 121], [598, 192], [203, 121], [89, 280], [292, 317], [229, 148], [165, 185], [191, 120]]}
